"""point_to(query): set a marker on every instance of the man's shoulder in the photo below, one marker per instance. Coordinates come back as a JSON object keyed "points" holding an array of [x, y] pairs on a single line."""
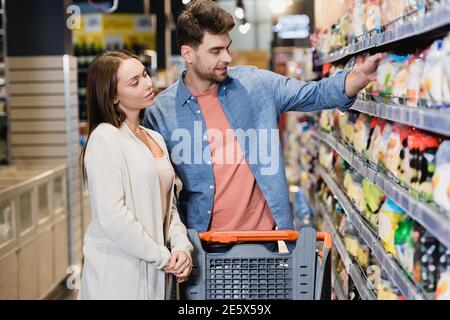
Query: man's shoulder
{"points": [[165, 100], [239, 71], [248, 73], [170, 92]]}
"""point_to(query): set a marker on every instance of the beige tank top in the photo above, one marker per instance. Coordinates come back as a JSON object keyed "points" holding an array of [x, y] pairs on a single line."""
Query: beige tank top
{"points": [[166, 175]]}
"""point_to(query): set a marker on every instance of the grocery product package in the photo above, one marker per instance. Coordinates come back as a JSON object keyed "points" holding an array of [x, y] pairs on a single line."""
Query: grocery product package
{"points": [[441, 178], [388, 218], [377, 127], [374, 198], [362, 131]]}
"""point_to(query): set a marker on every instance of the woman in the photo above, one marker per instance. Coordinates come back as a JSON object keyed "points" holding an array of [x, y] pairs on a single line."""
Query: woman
{"points": [[131, 185]]}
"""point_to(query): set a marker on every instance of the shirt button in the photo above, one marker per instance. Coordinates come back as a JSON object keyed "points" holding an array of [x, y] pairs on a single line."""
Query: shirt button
{"points": [[198, 111], [205, 138], [211, 187], [209, 211], [209, 162]]}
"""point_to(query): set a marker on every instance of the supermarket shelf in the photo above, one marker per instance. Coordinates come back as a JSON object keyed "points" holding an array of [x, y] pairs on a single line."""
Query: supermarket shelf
{"points": [[438, 18], [369, 173], [337, 241], [338, 287], [352, 269], [433, 220], [434, 120], [395, 272], [308, 148], [311, 176]]}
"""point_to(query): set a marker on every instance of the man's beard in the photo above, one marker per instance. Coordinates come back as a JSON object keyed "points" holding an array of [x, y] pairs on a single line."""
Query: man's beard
{"points": [[211, 76]]}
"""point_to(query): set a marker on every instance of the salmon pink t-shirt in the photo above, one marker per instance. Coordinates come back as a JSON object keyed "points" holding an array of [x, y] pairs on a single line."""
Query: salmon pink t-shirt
{"points": [[239, 204]]}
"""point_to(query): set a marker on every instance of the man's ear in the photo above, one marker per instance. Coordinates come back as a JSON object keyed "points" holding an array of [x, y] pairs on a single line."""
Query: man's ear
{"points": [[187, 53]]}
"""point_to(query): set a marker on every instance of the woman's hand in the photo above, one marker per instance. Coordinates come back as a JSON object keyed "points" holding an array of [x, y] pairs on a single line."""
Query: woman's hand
{"points": [[180, 265]]}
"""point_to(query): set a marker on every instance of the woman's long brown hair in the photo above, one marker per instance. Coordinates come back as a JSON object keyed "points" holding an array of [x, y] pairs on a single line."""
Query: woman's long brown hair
{"points": [[101, 91]]}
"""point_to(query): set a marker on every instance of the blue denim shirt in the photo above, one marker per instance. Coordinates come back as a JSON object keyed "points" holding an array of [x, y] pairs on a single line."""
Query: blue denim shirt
{"points": [[252, 100]]}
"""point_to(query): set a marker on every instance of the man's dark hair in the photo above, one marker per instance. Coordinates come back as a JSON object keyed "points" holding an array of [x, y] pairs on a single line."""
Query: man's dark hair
{"points": [[201, 16]]}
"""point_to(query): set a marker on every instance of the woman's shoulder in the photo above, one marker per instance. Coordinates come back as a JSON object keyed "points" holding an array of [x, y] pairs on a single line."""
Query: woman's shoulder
{"points": [[104, 134], [105, 129]]}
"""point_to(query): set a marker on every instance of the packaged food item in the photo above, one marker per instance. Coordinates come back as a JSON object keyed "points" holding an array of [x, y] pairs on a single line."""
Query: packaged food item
{"points": [[303, 212], [416, 65], [363, 254], [373, 273], [426, 259], [374, 198], [386, 289], [443, 285], [339, 213], [342, 121], [386, 17], [383, 85], [342, 226], [405, 170], [339, 269], [340, 166], [344, 279], [351, 240], [441, 178], [373, 20], [358, 18], [412, 158], [361, 135], [400, 83], [404, 244], [326, 120], [336, 123], [395, 10], [446, 71], [326, 157], [431, 88], [388, 218], [391, 155], [392, 73], [377, 127], [355, 190], [427, 160], [384, 143], [348, 128]]}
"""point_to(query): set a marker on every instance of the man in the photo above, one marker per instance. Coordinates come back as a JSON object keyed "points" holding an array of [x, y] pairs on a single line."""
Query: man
{"points": [[235, 111]]}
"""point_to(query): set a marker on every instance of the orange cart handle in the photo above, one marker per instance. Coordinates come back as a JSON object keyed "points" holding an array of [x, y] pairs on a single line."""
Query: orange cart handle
{"points": [[251, 236], [248, 236]]}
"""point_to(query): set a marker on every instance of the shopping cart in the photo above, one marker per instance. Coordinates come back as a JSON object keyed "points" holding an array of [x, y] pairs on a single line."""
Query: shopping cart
{"points": [[251, 271]]}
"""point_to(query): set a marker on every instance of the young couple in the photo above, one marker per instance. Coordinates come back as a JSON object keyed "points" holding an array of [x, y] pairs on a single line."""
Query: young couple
{"points": [[136, 241]]}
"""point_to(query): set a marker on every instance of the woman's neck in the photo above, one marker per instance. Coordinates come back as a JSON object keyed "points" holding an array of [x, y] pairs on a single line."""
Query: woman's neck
{"points": [[132, 121]]}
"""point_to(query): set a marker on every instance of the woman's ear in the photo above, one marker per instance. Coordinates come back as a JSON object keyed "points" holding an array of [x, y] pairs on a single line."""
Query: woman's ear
{"points": [[186, 53]]}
